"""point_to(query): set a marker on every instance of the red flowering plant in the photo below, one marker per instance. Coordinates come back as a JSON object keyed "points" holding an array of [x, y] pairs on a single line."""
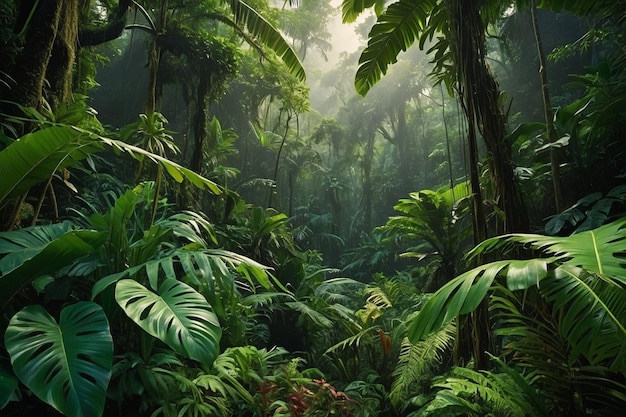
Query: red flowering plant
{"points": [[293, 393]]}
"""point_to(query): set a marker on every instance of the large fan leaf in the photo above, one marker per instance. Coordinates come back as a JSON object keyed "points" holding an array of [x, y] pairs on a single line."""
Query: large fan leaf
{"points": [[34, 157], [460, 296], [177, 315], [396, 29], [40, 251], [601, 251], [67, 365], [268, 35], [593, 315]]}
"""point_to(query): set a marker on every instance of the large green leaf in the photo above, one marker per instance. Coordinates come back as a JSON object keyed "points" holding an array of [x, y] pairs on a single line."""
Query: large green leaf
{"points": [[18, 246], [396, 29], [592, 315], [601, 251], [67, 365], [177, 315], [351, 9], [268, 35], [583, 280], [41, 250], [208, 269], [462, 295], [34, 157]]}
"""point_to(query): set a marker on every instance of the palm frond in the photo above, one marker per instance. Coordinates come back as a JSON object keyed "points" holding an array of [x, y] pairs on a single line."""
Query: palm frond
{"points": [[592, 315], [395, 30], [267, 34], [351, 9], [354, 340], [601, 251]]}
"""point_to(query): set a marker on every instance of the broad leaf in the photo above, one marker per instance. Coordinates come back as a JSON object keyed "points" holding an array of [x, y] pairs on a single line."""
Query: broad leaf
{"points": [[462, 295], [601, 251], [45, 257], [66, 364], [592, 315], [34, 157], [177, 315]]}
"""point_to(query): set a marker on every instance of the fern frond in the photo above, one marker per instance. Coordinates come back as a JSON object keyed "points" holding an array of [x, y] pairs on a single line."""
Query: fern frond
{"points": [[416, 362]]}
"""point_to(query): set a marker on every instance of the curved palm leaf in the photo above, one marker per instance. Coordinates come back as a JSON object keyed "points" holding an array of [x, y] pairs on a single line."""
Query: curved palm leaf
{"points": [[263, 30], [34, 157], [177, 315], [351, 9], [41, 250], [66, 364], [601, 251], [585, 285], [396, 29], [462, 295]]}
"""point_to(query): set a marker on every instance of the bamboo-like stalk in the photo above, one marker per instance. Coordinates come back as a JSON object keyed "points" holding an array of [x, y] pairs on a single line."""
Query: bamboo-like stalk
{"points": [[547, 110]]}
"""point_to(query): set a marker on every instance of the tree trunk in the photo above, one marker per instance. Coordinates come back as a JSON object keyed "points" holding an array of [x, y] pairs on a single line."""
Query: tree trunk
{"points": [[549, 116], [48, 54], [482, 94]]}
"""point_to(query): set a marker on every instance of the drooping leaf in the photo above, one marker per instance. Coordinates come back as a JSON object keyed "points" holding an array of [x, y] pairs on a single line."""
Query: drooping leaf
{"points": [[460, 296], [33, 158], [176, 314], [396, 30], [601, 251], [351, 9], [268, 35], [176, 171], [66, 364]]}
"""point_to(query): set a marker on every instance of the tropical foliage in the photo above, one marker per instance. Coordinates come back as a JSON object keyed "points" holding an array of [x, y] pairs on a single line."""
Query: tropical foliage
{"points": [[436, 231]]}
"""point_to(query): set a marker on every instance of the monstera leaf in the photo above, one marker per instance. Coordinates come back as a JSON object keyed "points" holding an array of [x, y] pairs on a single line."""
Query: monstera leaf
{"points": [[66, 364], [177, 315]]}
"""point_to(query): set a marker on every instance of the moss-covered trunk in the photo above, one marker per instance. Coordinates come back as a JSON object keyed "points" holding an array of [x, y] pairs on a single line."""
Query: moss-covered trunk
{"points": [[43, 68]]}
